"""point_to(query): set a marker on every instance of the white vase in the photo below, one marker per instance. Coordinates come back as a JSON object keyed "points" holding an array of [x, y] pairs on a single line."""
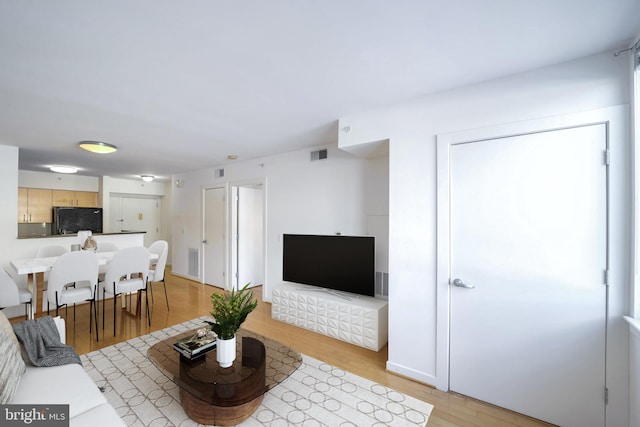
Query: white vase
{"points": [[226, 352]]}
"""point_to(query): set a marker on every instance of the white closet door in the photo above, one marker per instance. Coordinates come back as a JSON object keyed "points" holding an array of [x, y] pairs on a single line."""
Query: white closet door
{"points": [[528, 233], [214, 240]]}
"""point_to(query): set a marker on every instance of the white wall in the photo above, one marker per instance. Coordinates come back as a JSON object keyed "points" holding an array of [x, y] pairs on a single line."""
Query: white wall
{"points": [[57, 181], [411, 128], [9, 194], [132, 186], [321, 197]]}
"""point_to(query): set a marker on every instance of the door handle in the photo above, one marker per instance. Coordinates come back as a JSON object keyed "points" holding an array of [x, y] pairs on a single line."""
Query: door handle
{"points": [[459, 283], [204, 241]]}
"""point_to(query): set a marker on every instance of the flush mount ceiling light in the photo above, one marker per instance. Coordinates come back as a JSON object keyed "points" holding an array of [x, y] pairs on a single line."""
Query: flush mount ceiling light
{"points": [[232, 157], [97, 147], [147, 178], [63, 169]]}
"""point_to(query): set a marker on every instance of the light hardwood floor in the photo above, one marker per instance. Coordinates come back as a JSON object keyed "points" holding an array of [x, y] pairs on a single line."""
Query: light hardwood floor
{"points": [[188, 300]]}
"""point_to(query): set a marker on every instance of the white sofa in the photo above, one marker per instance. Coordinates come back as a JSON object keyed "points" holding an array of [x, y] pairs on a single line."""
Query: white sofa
{"points": [[67, 384]]}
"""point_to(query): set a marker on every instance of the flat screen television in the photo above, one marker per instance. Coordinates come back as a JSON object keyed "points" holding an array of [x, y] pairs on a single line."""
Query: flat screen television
{"points": [[340, 263]]}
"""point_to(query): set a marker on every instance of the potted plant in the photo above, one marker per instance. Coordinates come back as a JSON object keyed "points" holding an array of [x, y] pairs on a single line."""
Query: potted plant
{"points": [[230, 310]]}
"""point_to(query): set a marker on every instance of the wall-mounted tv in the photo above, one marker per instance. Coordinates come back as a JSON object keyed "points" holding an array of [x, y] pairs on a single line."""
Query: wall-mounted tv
{"points": [[341, 263]]}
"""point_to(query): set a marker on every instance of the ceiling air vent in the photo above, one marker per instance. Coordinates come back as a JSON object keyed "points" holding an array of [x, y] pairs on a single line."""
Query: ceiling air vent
{"points": [[319, 154]]}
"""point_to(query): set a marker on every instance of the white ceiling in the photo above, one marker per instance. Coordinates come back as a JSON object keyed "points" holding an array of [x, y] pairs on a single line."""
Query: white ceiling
{"points": [[179, 85]]}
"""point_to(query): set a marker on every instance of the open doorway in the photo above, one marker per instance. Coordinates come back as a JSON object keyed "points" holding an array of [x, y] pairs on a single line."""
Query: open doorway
{"points": [[247, 228]]}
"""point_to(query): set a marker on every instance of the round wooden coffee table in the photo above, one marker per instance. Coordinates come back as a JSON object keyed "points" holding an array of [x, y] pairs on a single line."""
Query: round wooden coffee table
{"points": [[226, 396]]}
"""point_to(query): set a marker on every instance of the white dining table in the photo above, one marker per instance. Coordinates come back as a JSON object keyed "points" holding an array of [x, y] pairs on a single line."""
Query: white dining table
{"points": [[33, 266]]}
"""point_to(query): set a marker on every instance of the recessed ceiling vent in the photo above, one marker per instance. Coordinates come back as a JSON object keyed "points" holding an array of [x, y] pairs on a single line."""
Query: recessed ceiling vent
{"points": [[319, 154]]}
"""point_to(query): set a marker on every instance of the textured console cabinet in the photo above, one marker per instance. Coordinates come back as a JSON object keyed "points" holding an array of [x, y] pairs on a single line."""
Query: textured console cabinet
{"points": [[361, 320]]}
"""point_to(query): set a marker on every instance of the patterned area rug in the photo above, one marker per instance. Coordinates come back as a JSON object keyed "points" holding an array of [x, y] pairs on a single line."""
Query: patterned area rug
{"points": [[316, 394]]}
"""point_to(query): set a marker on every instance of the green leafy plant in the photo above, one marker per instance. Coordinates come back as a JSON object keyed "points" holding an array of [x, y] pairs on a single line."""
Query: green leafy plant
{"points": [[230, 310]]}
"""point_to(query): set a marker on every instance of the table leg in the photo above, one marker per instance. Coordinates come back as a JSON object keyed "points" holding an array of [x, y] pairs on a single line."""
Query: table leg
{"points": [[34, 286]]}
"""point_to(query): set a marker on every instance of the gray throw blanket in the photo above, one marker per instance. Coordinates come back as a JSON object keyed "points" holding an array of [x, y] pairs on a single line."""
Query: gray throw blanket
{"points": [[41, 342]]}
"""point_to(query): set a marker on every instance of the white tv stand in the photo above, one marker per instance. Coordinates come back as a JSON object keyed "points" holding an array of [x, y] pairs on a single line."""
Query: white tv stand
{"points": [[360, 320]]}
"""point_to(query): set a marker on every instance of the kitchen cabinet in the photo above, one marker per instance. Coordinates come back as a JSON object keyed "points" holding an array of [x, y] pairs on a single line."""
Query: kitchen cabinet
{"points": [[34, 205], [86, 199], [79, 199]]}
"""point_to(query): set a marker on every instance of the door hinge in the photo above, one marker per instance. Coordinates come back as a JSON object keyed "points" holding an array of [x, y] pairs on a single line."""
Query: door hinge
{"points": [[606, 396], [607, 157], [606, 277]]}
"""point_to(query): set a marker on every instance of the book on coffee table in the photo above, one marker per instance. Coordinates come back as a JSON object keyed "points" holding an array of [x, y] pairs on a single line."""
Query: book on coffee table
{"points": [[197, 344]]}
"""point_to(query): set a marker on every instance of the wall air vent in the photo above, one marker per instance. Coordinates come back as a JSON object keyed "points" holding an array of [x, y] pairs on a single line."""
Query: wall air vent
{"points": [[319, 154], [219, 173], [193, 267], [382, 284]]}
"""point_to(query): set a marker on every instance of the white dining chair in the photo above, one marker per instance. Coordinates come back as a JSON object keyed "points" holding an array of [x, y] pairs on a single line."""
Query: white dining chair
{"points": [[46, 252], [50, 250], [127, 272], [79, 268], [105, 247], [156, 271], [11, 294]]}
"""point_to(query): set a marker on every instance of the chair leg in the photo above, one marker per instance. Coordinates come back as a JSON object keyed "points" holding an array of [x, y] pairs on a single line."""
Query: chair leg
{"points": [[92, 310], [153, 301], [115, 297], [146, 294], [95, 318], [93, 303], [165, 293], [103, 295]]}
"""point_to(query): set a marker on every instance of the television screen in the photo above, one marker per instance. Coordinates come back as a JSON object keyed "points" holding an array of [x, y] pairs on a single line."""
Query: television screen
{"points": [[342, 263]]}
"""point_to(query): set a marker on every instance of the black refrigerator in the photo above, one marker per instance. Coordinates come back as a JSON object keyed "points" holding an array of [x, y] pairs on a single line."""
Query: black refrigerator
{"points": [[70, 220]]}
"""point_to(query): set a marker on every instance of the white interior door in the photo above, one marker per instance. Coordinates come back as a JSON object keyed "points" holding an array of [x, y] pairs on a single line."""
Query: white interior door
{"points": [[528, 231], [137, 214], [142, 215], [213, 243], [250, 256], [115, 214]]}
